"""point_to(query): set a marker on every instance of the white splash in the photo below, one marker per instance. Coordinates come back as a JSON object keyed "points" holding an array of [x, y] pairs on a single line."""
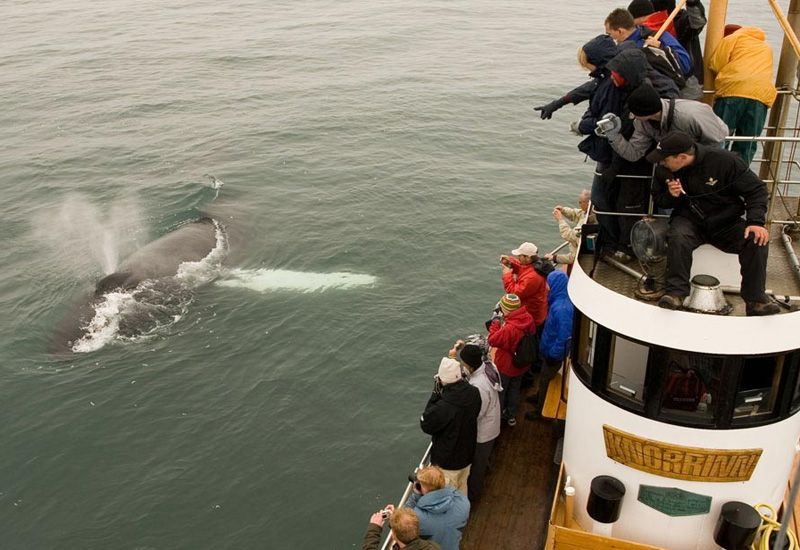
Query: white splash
{"points": [[204, 271], [264, 280], [104, 326]]}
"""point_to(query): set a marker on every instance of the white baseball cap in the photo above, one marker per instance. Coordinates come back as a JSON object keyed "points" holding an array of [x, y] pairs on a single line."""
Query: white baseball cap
{"points": [[527, 249]]}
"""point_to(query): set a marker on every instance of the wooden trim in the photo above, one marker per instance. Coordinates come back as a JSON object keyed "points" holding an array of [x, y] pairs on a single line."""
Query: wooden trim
{"points": [[572, 539]]}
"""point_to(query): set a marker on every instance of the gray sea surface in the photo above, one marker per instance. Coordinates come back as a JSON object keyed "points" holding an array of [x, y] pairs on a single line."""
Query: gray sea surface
{"points": [[378, 157]]}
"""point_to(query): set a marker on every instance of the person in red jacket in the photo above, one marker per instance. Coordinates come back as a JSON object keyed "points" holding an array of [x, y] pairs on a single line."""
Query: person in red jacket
{"points": [[506, 329], [520, 278]]}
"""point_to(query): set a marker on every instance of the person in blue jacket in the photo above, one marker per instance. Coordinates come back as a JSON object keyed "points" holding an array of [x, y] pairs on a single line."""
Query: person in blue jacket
{"points": [[442, 510], [554, 341]]}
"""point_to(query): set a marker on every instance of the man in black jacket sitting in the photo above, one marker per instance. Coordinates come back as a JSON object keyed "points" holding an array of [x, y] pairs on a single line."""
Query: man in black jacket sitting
{"points": [[709, 190], [451, 419]]}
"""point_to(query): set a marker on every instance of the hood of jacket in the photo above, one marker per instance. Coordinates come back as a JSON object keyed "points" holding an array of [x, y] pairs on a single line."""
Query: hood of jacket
{"points": [[752, 32], [460, 394], [600, 50], [630, 63], [437, 502], [519, 318], [557, 282]]}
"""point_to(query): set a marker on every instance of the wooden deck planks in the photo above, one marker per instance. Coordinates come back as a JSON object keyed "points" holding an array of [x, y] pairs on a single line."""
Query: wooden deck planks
{"points": [[515, 507]]}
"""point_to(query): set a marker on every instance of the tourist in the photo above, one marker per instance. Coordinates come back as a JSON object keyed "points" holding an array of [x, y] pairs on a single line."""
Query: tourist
{"points": [[521, 278], [404, 525], [442, 510], [709, 191], [483, 375], [451, 419], [744, 90], [654, 117], [571, 233], [555, 337], [621, 27], [689, 23], [506, 329], [593, 57], [645, 14]]}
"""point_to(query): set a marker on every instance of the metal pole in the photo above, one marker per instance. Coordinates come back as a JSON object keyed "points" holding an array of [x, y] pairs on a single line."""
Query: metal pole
{"points": [[787, 68], [717, 11]]}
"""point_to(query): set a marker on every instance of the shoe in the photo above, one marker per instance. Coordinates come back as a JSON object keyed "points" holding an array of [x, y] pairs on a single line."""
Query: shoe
{"points": [[511, 421], [533, 415], [532, 399], [670, 301], [621, 257], [761, 308]]}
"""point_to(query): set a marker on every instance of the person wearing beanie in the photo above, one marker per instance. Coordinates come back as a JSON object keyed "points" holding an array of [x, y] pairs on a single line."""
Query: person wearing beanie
{"points": [[644, 13], [593, 57], [451, 419], [481, 371], [654, 117], [744, 89], [715, 198], [506, 330], [621, 26], [524, 282]]}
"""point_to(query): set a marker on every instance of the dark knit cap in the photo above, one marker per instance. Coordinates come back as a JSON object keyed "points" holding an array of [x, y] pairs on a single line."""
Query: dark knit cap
{"points": [[471, 355], [644, 101], [661, 5], [641, 8]]}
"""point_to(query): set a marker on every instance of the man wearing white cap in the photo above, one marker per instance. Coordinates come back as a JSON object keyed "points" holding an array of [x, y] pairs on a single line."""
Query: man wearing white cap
{"points": [[451, 419], [520, 278]]}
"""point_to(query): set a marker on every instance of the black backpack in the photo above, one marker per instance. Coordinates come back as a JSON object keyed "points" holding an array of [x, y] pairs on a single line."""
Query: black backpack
{"points": [[543, 267], [527, 350]]}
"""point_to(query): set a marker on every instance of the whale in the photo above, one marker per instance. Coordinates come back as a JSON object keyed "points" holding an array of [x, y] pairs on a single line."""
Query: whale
{"points": [[150, 288]]}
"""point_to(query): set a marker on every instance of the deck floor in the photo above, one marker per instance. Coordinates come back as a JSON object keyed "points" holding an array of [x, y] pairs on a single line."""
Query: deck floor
{"points": [[515, 507]]}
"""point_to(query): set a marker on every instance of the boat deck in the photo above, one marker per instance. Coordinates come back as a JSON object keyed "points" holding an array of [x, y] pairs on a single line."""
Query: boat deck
{"points": [[515, 506], [781, 279]]}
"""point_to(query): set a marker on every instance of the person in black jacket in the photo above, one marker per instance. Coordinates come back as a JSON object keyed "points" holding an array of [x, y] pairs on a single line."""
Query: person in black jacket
{"points": [[709, 189], [451, 419]]}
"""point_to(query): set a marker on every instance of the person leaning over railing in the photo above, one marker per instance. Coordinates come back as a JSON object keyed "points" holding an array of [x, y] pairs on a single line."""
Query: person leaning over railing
{"points": [[404, 525]]}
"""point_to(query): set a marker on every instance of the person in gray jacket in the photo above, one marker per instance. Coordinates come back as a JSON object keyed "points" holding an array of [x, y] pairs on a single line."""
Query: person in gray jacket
{"points": [[483, 375], [442, 510], [654, 117]]}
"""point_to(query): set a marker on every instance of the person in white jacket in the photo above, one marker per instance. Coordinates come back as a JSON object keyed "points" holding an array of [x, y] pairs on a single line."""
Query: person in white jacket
{"points": [[484, 376], [571, 233]]}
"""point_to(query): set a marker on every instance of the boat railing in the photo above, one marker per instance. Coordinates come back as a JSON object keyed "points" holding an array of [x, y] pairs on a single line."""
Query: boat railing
{"points": [[425, 461]]}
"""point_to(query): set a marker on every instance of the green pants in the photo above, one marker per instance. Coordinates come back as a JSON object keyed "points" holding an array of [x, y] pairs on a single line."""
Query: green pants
{"points": [[744, 117]]}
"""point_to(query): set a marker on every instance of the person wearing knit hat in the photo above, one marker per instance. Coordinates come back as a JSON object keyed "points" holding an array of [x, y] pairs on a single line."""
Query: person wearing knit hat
{"points": [[451, 419], [654, 117], [520, 278], [640, 9], [505, 333], [483, 375]]}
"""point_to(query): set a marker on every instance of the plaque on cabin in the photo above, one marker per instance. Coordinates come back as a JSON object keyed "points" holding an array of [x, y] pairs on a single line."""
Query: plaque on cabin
{"points": [[673, 501], [687, 463]]}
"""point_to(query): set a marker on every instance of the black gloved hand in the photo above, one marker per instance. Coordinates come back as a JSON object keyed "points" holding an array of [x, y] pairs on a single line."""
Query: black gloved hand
{"points": [[548, 110]]}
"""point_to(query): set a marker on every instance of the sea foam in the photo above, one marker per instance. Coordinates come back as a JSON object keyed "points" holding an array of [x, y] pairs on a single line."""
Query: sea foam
{"points": [[264, 280]]}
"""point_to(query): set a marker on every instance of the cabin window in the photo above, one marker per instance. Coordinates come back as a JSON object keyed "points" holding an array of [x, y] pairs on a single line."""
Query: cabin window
{"points": [[691, 386], [586, 345], [796, 393], [626, 369], [757, 391]]}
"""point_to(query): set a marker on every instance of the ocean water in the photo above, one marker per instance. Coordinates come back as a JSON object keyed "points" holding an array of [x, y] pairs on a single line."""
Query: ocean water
{"points": [[377, 158]]}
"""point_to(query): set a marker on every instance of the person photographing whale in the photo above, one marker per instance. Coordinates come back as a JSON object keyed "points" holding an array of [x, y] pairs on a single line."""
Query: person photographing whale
{"points": [[710, 190]]}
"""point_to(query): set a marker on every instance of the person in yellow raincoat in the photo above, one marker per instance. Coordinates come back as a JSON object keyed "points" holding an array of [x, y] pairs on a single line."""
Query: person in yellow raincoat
{"points": [[745, 90]]}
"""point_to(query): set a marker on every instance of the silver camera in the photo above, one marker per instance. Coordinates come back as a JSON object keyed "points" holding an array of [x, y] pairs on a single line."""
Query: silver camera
{"points": [[604, 124], [385, 513]]}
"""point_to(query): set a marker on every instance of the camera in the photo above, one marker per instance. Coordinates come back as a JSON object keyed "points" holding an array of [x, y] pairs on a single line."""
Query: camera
{"points": [[607, 123], [412, 478], [385, 513]]}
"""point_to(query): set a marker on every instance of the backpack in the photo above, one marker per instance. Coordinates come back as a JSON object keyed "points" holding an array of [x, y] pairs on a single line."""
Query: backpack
{"points": [[526, 351], [543, 267]]}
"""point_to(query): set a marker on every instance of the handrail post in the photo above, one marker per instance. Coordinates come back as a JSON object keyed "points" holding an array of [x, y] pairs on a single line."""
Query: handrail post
{"points": [[787, 68], [717, 11]]}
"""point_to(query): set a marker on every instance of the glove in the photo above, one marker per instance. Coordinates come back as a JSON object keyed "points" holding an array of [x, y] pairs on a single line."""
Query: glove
{"points": [[609, 127], [548, 110], [574, 127]]}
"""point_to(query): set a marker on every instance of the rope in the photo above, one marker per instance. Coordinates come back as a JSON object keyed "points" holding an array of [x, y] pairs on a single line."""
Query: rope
{"points": [[769, 526]]}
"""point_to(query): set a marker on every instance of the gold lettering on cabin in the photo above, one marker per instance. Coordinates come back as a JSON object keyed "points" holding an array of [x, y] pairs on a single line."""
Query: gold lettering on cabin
{"points": [[675, 461]]}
